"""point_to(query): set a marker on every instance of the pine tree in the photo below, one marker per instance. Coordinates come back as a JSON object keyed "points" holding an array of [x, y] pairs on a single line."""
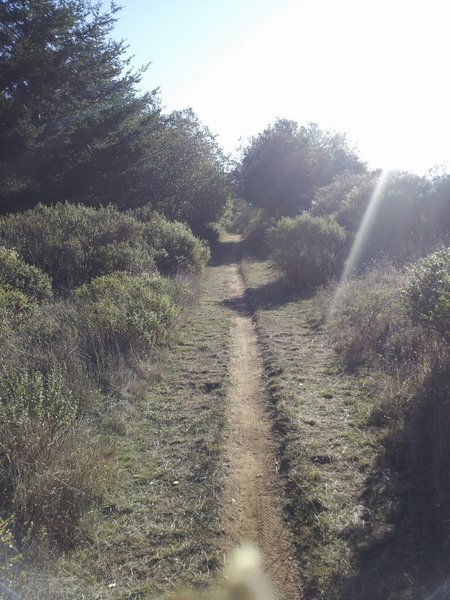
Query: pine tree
{"points": [[72, 122]]}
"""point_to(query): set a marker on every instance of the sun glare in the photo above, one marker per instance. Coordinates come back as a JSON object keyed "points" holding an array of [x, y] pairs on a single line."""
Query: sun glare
{"points": [[361, 238]]}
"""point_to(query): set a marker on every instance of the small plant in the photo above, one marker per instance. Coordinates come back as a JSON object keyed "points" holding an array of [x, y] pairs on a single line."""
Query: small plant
{"points": [[15, 274], [310, 250], [36, 396], [426, 295], [14, 305], [50, 471]]}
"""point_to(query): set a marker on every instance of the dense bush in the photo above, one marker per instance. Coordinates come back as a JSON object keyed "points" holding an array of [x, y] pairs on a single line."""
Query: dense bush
{"points": [[427, 292], [310, 250], [17, 275], [14, 305], [127, 312], [74, 243], [176, 249]]}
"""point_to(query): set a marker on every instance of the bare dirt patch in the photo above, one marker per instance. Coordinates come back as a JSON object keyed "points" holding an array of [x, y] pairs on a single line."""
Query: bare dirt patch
{"points": [[253, 507]]}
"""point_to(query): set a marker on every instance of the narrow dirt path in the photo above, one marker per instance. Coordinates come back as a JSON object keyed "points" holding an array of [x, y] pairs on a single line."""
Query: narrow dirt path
{"points": [[253, 493]]}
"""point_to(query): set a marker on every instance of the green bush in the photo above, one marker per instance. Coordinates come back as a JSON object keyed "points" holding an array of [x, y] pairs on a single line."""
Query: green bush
{"points": [[33, 395], [15, 274], [426, 295], [127, 312], [176, 248], [309, 250], [14, 304], [75, 243]]}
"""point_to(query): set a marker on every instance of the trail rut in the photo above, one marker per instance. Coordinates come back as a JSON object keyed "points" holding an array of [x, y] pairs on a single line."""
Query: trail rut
{"points": [[253, 493]]}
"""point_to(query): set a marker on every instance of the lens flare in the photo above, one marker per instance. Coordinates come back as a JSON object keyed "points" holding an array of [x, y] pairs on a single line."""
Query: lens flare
{"points": [[354, 257]]}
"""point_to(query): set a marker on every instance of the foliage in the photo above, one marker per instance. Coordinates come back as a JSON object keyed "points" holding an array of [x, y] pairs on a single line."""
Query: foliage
{"points": [[72, 122], [74, 243], [282, 166], [38, 396], [438, 209], [16, 274], [176, 249], [14, 304], [310, 250], [404, 223], [185, 174], [127, 311], [427, 292]]}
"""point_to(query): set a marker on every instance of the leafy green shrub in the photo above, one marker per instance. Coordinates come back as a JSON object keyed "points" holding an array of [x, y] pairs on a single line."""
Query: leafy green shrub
{"points": [[426, 295], [127, 312], [14, 304], [176, 248], [42, 397], [310, 250], [75, 243], [17, 275]]}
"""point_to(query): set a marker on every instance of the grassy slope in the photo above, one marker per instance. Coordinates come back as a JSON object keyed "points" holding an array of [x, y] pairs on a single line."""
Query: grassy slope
{"points": [[337, 484], [159, 525]]}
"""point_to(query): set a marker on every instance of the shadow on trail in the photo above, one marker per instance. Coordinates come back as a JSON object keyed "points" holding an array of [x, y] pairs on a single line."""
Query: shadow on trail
{"points": [[226, 253], [275, 294], [396, 555]]}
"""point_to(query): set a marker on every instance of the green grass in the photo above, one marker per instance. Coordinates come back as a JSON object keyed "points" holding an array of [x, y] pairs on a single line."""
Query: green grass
{"points": [[158, 527]]}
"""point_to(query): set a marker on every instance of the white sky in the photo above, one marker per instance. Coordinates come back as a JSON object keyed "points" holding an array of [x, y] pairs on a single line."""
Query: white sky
{"points": [[375, 70]]}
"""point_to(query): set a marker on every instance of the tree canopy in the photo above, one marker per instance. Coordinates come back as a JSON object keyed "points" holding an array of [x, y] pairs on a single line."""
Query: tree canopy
{"points": [[282, 166], [74, 127]]}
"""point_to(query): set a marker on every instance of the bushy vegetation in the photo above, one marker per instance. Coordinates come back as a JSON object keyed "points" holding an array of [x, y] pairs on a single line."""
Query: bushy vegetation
{"points": [[74, 243], [64, 357], [283, 165], [130, 313], [309, 250], [176, 249], [427, 292], [17, 275]]}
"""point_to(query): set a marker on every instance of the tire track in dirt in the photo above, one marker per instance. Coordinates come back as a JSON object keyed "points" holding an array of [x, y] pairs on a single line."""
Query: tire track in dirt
{"points": [[253, 493]]}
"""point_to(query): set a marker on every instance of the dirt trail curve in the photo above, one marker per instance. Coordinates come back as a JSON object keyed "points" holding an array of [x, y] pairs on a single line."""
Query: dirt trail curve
{"points": [[253, 507]]}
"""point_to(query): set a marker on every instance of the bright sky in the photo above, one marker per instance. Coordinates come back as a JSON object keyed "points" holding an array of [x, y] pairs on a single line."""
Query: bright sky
{"points": [[376, 70]]}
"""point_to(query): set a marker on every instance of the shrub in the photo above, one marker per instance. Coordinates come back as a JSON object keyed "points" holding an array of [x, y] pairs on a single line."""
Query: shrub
{"points": [[75, 243], [426, 295], [310, 250], [23, 278], [125, 312], [14, 305], [176, 248]]}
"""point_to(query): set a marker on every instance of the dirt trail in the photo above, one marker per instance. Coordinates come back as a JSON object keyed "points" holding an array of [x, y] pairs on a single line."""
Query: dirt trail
{"points": [[253, 505]]}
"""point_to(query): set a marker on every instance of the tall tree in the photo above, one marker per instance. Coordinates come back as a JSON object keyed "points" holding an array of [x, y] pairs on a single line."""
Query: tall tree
{"points": [[72, 123], [282, 166], [185, 173]]}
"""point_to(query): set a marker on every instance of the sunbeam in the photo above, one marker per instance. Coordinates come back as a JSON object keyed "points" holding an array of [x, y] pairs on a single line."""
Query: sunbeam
{"points": [[361, 238]]}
